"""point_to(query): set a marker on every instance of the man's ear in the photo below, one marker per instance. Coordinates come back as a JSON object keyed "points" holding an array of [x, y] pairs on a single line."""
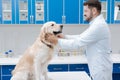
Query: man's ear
{"points": [[94, 10]]}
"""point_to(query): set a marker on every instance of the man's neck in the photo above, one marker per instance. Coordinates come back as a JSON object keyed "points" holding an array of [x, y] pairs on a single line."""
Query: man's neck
{"points": [[94, 17]]}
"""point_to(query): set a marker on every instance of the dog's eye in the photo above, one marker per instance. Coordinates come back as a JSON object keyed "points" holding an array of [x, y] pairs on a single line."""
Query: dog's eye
{"points": [[52, 25]]}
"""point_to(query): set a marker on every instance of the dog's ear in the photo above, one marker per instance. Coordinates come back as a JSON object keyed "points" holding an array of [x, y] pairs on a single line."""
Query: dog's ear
{"points": [[42, 33], [51, 38]]}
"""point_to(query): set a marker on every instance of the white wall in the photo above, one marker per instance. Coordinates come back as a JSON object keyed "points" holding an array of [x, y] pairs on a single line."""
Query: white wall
{"points": [[19, 37]]}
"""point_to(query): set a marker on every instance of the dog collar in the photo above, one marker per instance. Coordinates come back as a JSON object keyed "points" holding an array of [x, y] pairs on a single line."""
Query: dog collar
{"points": [[50, 46]]}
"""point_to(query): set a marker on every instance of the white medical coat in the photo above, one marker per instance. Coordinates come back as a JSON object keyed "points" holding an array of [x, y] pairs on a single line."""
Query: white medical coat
{"points": [[96, 39]]}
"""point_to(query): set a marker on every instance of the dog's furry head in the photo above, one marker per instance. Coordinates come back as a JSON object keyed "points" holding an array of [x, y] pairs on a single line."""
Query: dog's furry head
{"points": [[49, 31]]}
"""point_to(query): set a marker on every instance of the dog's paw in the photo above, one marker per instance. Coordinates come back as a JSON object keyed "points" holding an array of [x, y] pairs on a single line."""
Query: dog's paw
{"points": [[49, 79], [42, 78]]}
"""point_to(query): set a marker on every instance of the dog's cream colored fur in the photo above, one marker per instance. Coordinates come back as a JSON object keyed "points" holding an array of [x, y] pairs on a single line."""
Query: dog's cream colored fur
{"points": [[33, 64]]}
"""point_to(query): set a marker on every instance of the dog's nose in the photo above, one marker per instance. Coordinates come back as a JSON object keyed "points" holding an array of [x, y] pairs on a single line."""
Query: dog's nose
{"points": [[61, 26]]}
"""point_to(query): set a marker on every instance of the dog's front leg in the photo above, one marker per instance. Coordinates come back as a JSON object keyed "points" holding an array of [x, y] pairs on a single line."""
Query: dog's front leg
{"points": [[38, 70], [45, 70]]}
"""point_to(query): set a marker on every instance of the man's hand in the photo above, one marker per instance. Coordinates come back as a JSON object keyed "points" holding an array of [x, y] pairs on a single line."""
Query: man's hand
{"points": [[60, 35]]}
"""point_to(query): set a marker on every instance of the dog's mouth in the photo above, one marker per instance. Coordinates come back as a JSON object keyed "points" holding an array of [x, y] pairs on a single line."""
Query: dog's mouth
{"points": [[57, 32]]}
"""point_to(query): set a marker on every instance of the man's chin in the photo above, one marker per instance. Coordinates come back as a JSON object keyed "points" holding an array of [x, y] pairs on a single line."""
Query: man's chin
{"points": [[87, 20]]}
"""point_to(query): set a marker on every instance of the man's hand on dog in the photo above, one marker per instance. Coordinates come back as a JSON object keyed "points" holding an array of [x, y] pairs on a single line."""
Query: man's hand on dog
{"points": [[60, 35]]}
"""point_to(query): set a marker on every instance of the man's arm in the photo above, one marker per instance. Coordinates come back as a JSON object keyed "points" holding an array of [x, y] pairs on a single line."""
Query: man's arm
{"points": [[67, 36], [87, 37]]}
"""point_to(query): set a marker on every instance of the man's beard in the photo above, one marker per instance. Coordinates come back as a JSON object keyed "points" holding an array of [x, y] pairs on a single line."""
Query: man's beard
{"points": [[90, 17]]}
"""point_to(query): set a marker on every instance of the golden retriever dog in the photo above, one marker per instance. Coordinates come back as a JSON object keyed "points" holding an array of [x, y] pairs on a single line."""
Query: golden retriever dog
{"points": [[33, 64]]}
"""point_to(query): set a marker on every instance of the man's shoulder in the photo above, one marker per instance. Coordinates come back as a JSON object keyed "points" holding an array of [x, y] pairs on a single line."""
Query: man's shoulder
{"points": [[100, 22]]}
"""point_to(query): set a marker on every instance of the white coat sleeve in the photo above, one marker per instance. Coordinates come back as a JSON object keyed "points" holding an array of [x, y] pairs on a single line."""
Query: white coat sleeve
{"points": [[88, 37], [71, 36]]}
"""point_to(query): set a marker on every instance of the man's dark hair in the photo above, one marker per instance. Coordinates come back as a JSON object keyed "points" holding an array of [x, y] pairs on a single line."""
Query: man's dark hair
{"points": [[93, 3]]}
